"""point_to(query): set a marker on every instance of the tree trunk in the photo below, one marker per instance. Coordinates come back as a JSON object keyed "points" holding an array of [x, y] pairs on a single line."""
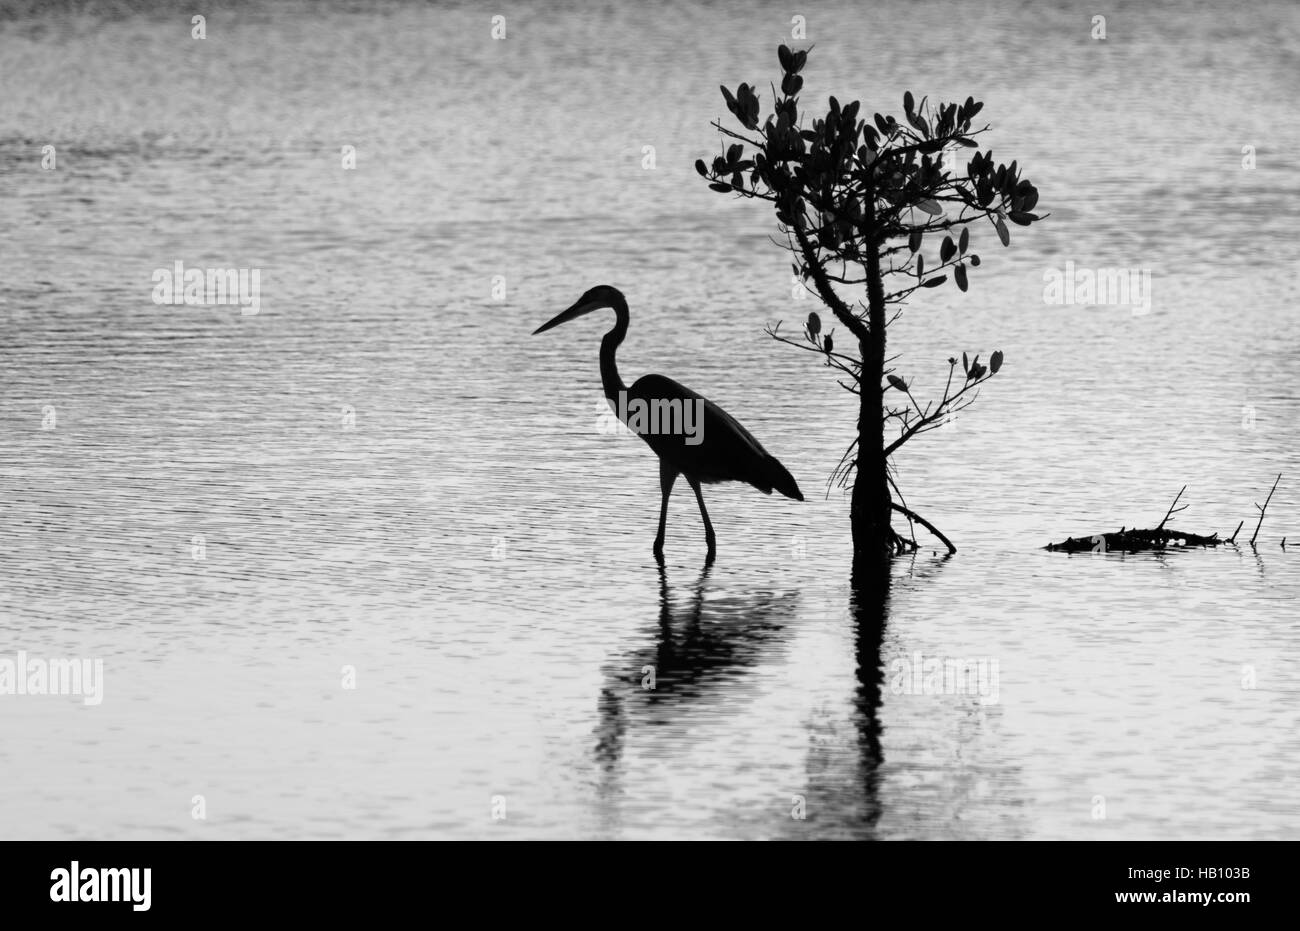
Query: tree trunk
{"points": [[873, 538], [870, 507]]}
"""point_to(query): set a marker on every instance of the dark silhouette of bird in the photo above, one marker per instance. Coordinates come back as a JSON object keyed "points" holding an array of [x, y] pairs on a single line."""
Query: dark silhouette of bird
{"points": [[720, 451]]}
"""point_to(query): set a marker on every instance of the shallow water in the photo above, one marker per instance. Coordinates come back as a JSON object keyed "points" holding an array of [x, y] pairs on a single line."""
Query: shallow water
{"points": [[473, 546]]}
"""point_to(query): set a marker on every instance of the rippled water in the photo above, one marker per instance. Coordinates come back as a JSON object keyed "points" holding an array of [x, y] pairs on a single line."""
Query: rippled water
{"points": [[385, 472]]}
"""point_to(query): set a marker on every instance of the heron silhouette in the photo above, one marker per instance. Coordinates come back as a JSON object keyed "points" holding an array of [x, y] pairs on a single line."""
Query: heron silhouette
{"points": [[720, 451]]}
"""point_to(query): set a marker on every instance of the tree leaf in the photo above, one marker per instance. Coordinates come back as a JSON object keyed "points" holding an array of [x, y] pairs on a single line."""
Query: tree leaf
{"points": [[935, 282], [964, 241], [814, 323], [787, 60], [908, 102], [898, 383], [959, 273], [948, 249], [995, 362], [701, 168], [965, 364], [828, 344], [1022, 218], [929, 206], [1002, 231], [720, 187], [913, 239]]}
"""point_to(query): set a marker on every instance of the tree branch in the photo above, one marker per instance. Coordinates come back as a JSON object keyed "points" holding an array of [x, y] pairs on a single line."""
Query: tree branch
{"points": [[827, 292], [912, 515]]}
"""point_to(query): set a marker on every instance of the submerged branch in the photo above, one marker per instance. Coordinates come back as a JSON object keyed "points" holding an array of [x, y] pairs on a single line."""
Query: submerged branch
{"points": [[1132, 541], [1171, 512], [1264, 508], [912, 515]]}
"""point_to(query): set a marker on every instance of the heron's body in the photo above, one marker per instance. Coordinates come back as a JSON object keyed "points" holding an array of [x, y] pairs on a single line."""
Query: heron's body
{"points": [[727, 452], [723, 450]]}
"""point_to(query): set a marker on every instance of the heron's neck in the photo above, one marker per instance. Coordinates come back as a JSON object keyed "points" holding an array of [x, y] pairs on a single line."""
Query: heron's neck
{"points": [[609, 379]]}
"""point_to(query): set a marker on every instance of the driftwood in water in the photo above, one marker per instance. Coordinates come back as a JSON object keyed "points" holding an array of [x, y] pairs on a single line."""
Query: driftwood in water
{"points": [[1158, 538], [1131, 541]]}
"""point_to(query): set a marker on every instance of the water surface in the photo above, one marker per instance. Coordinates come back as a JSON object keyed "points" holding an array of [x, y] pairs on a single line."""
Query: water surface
{"points": [[389, 474]]}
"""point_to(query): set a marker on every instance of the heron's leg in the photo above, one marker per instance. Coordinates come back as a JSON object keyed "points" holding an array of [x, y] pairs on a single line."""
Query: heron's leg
{"points": [[667, 475], [708, 526]]}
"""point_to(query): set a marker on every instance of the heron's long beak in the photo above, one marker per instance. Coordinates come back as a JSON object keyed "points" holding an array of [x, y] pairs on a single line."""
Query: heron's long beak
{"points": [[573, 313]]}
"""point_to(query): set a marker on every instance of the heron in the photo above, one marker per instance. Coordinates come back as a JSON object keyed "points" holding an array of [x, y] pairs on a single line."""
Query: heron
{"points": [[722, 451]]}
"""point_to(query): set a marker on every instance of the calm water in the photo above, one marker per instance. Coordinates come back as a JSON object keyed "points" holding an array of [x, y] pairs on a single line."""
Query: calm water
{"points": [[477, 550]]}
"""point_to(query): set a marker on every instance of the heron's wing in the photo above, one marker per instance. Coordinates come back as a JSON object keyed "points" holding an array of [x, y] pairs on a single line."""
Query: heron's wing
{"points": [[716, 420], [722, 451]]}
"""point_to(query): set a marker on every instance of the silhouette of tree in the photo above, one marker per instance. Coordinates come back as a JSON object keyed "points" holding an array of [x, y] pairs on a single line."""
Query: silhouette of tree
{"points": [[860, 203]]}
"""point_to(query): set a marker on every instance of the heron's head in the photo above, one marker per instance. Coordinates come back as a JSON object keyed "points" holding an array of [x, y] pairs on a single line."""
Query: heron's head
{"points": [[598, 298]]}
